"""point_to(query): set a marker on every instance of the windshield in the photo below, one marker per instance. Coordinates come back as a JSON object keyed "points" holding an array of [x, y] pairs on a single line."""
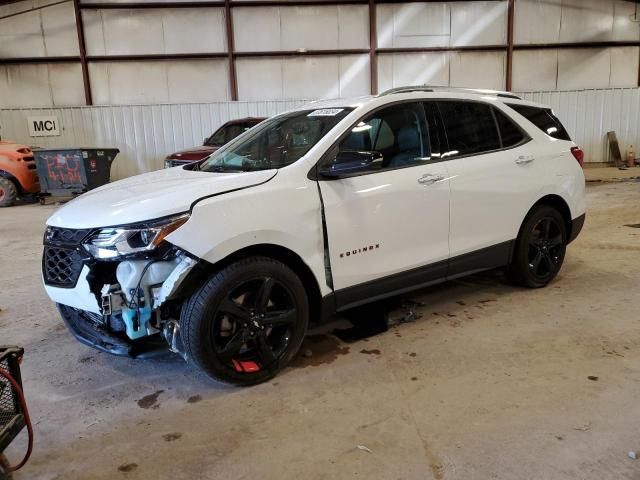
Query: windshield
{"points": [[227, 133], [277, 142]]}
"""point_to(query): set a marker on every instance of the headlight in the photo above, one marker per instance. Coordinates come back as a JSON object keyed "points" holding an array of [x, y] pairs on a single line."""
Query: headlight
{"points": [[130, 239]]}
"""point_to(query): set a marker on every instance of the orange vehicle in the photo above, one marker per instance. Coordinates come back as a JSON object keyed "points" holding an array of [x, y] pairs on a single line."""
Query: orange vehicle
{"points": [[18, 176]]}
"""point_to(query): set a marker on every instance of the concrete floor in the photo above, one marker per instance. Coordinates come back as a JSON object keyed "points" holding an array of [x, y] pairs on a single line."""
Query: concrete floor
{"points": [[491, 382]]}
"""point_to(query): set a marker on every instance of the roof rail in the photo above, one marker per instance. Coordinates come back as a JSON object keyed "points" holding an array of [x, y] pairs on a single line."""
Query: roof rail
{"points": [[427, 88], [414, 88]]}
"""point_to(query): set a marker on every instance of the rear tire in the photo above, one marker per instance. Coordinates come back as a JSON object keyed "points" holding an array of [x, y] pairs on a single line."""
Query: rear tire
{"points": [[8, 192], [540, 248], [246, 322]]}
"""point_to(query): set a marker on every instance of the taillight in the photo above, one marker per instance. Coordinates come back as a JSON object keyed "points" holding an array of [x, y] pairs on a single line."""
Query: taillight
{"points": [[578, 154]]}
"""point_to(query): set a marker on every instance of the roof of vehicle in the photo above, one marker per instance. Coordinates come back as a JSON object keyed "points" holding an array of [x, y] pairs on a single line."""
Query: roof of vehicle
{"points": [[421, 91]]}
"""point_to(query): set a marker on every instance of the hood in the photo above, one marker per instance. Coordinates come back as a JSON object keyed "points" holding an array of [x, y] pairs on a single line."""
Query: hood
{"points": [[195, 153], [149, 196]]}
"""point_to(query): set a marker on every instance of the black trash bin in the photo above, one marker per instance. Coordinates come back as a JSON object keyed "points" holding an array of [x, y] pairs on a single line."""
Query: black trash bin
{"points": [[72, 171]]}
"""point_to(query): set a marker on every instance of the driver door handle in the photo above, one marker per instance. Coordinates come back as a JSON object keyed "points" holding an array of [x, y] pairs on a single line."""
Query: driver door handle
{"points": [[525, 159], [430, 179]]}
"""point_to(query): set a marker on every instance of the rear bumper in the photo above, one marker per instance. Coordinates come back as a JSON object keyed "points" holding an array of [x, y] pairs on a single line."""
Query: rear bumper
{"points": [[576, 227]]}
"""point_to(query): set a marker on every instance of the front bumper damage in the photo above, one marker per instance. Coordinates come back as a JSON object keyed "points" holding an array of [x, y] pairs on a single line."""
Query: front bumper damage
{"points": [[127, 307]]}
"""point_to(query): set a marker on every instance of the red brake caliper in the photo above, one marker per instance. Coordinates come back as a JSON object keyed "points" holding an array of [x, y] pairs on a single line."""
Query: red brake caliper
{"points": [[246, 367]]}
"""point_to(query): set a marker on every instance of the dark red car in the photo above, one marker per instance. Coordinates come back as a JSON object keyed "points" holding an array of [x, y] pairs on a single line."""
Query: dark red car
{"points": [[224, 134]]}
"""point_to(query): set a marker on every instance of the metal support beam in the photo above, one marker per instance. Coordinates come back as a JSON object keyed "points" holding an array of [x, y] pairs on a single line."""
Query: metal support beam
{"points": [[373, 45], [83, 53], [469, 48], [510, 30], [233, 81]]}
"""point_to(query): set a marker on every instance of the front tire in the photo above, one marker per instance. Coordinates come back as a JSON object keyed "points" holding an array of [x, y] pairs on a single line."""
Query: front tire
{"points": [[246, 322], [540, 248]]}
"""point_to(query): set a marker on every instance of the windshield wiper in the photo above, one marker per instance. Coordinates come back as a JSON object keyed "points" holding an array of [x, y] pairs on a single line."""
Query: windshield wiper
{"points": [[224, 169]]}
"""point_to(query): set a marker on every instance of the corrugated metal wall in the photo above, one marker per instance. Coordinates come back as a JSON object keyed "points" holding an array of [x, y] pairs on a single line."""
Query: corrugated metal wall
{"points": [[145, 134], [589, 114]]}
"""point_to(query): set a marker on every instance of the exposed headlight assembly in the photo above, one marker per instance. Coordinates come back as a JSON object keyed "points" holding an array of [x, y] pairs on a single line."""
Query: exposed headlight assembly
{"points": [[115, 242]]}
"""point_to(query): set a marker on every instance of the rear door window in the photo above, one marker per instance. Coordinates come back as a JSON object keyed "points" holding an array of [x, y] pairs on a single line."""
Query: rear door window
{"points": [[544, 119], [470, 127]]}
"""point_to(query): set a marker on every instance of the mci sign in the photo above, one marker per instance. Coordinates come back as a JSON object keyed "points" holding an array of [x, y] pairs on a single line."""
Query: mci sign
{"points": [[43, 126]]}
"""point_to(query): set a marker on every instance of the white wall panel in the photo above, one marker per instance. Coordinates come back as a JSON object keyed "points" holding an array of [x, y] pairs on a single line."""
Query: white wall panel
{"points": [[66, 86], [124, 83], [257, 29], [50, 31], [626, 21], [41, 85], [566, 21], [569, 69], [535, 69], [479, 23], [398, 69], [354, 75], [145, 135], [353, 26], [292, 28], [46, 32], [198, 81], [149, 31], [624, 67], [59, 30], [303, 77], [537, 21], [259, 78], [583, 68], [21, 36], [586, 20], [478, 69], [413, 25]]}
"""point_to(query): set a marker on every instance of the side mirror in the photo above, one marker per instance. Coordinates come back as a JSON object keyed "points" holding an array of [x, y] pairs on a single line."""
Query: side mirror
{"points": [[349, 163]]}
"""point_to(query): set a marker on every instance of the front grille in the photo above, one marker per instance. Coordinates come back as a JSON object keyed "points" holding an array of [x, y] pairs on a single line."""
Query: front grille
{"points": [[61, 266], [177, 163], [63, 258], [66, 236]]}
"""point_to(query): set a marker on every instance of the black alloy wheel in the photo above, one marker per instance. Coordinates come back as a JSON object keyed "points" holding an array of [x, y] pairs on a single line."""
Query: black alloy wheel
{"points": [[246, 322], [540, 248], [546, 248], [253, 324]]}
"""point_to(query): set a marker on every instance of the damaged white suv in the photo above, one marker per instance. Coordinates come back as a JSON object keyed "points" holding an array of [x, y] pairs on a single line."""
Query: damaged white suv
{"points": [[327, 207]]}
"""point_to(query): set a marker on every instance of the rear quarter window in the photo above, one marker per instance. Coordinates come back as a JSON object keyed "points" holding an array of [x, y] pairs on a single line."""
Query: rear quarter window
{"points": [[544, 119]]}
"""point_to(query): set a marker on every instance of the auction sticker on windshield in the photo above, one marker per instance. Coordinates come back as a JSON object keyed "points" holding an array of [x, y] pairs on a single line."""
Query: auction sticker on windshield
{"points": [[325, 112]]}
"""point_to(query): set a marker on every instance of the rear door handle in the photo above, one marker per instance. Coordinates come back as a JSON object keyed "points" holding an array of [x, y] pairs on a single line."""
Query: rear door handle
{"points": [[430, 179], [525, 159]]}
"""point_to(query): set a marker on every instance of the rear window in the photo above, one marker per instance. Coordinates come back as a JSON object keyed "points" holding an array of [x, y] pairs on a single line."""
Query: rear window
{"points": [[544, 119]]}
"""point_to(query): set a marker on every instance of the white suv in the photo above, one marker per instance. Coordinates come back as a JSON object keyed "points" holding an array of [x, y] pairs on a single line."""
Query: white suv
{"points": [[312, 212]]}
